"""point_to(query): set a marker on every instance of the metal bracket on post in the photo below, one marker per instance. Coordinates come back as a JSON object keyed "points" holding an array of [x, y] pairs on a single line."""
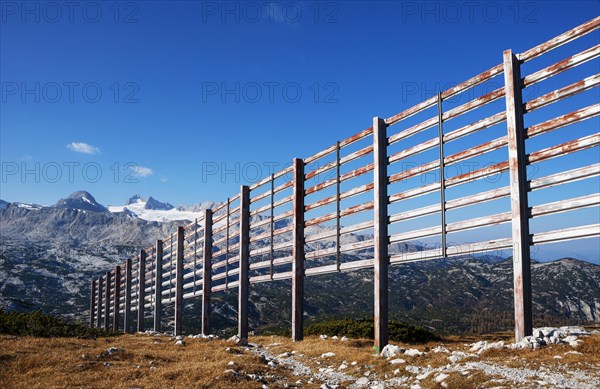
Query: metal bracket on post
{"points": [[93, 304], [127, 310], [206, 272], [107, 303], [272, 225], [227, 245], [116, 298], [179, 282], [298, 252], [338, 205], [518, 196], [158, 285], [141, 327], [244, 264], [380, 233]]}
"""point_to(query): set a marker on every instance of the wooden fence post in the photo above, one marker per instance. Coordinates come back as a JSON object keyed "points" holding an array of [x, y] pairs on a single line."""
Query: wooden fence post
{"points": [[244, 263], [141, 292], [518, 196], [107, 303], [179, 282], [380, 233], [158, 285], [93, 304], [127, 310], [207, 271], [116, 297], [99, 304], [298, 252]]}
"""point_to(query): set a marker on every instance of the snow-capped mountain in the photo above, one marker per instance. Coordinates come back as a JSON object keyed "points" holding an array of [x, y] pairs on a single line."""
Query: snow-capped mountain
{"points": [[151, 209], [134, 199], [81, 200], [199, 207], [148, 209], [154, 204]]}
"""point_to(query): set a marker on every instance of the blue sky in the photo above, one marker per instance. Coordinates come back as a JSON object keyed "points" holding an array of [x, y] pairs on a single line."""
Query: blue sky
{"points": [[186, 100]]}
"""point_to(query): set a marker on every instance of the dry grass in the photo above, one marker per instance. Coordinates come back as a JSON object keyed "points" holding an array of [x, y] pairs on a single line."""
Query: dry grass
{"points": [[73, 363], [151, 362]]}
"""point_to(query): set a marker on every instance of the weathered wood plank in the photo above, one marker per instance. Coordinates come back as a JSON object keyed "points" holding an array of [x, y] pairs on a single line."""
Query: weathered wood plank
{"points": [[92, 303], [564, 120], [562, 93], [179, 283], [127, 313], [116, 299], [298, 252], [206, 272], [560, 40], [158, 285], [99, 304], [244, 241], [380, 233], [141, 290], [518, 197], [107, 302]]}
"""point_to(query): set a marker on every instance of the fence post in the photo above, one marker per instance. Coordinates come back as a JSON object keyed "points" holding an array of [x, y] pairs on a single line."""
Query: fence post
{"points": [[442, 175], [107, 303], [179, 283], [244, 254], [298, 252], [93, 304], [99, 304], [158, 286], [207, 271], [380, 233], [116, 298], [518, 196], [127, 310], [141, 291]]}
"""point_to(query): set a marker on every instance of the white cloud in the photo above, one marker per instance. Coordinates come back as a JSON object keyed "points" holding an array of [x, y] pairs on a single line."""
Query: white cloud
{"points": [[142, 171], [164, 179], [82, 147]]}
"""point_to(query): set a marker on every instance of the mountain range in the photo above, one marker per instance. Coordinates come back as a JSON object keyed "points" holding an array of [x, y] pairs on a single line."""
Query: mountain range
{"points": [[48, 256]]}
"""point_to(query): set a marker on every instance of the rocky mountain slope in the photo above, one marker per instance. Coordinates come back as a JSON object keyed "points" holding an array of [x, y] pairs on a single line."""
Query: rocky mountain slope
{"points": [[48, 256]]}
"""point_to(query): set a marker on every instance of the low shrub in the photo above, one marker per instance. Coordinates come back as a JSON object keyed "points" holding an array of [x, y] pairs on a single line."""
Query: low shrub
{"points": [[363, 328], [37, 323]]}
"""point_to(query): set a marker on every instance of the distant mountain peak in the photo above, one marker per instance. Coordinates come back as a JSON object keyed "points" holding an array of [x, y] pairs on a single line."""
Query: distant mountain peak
{"points": [[81, 200], [199, 207], [136, 198], [154, 204]]}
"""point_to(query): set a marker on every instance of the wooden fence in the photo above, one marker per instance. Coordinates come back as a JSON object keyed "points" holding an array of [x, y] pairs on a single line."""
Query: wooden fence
{"points": [[349, 198]]}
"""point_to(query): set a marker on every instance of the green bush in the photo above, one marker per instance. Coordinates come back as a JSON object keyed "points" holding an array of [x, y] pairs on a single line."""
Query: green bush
{"points": [[363, 328], [39, 324]]}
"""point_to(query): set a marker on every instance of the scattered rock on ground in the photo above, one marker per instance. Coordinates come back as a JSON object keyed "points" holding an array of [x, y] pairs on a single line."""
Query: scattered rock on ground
{"points": [[391, 350], [413, 352]]}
